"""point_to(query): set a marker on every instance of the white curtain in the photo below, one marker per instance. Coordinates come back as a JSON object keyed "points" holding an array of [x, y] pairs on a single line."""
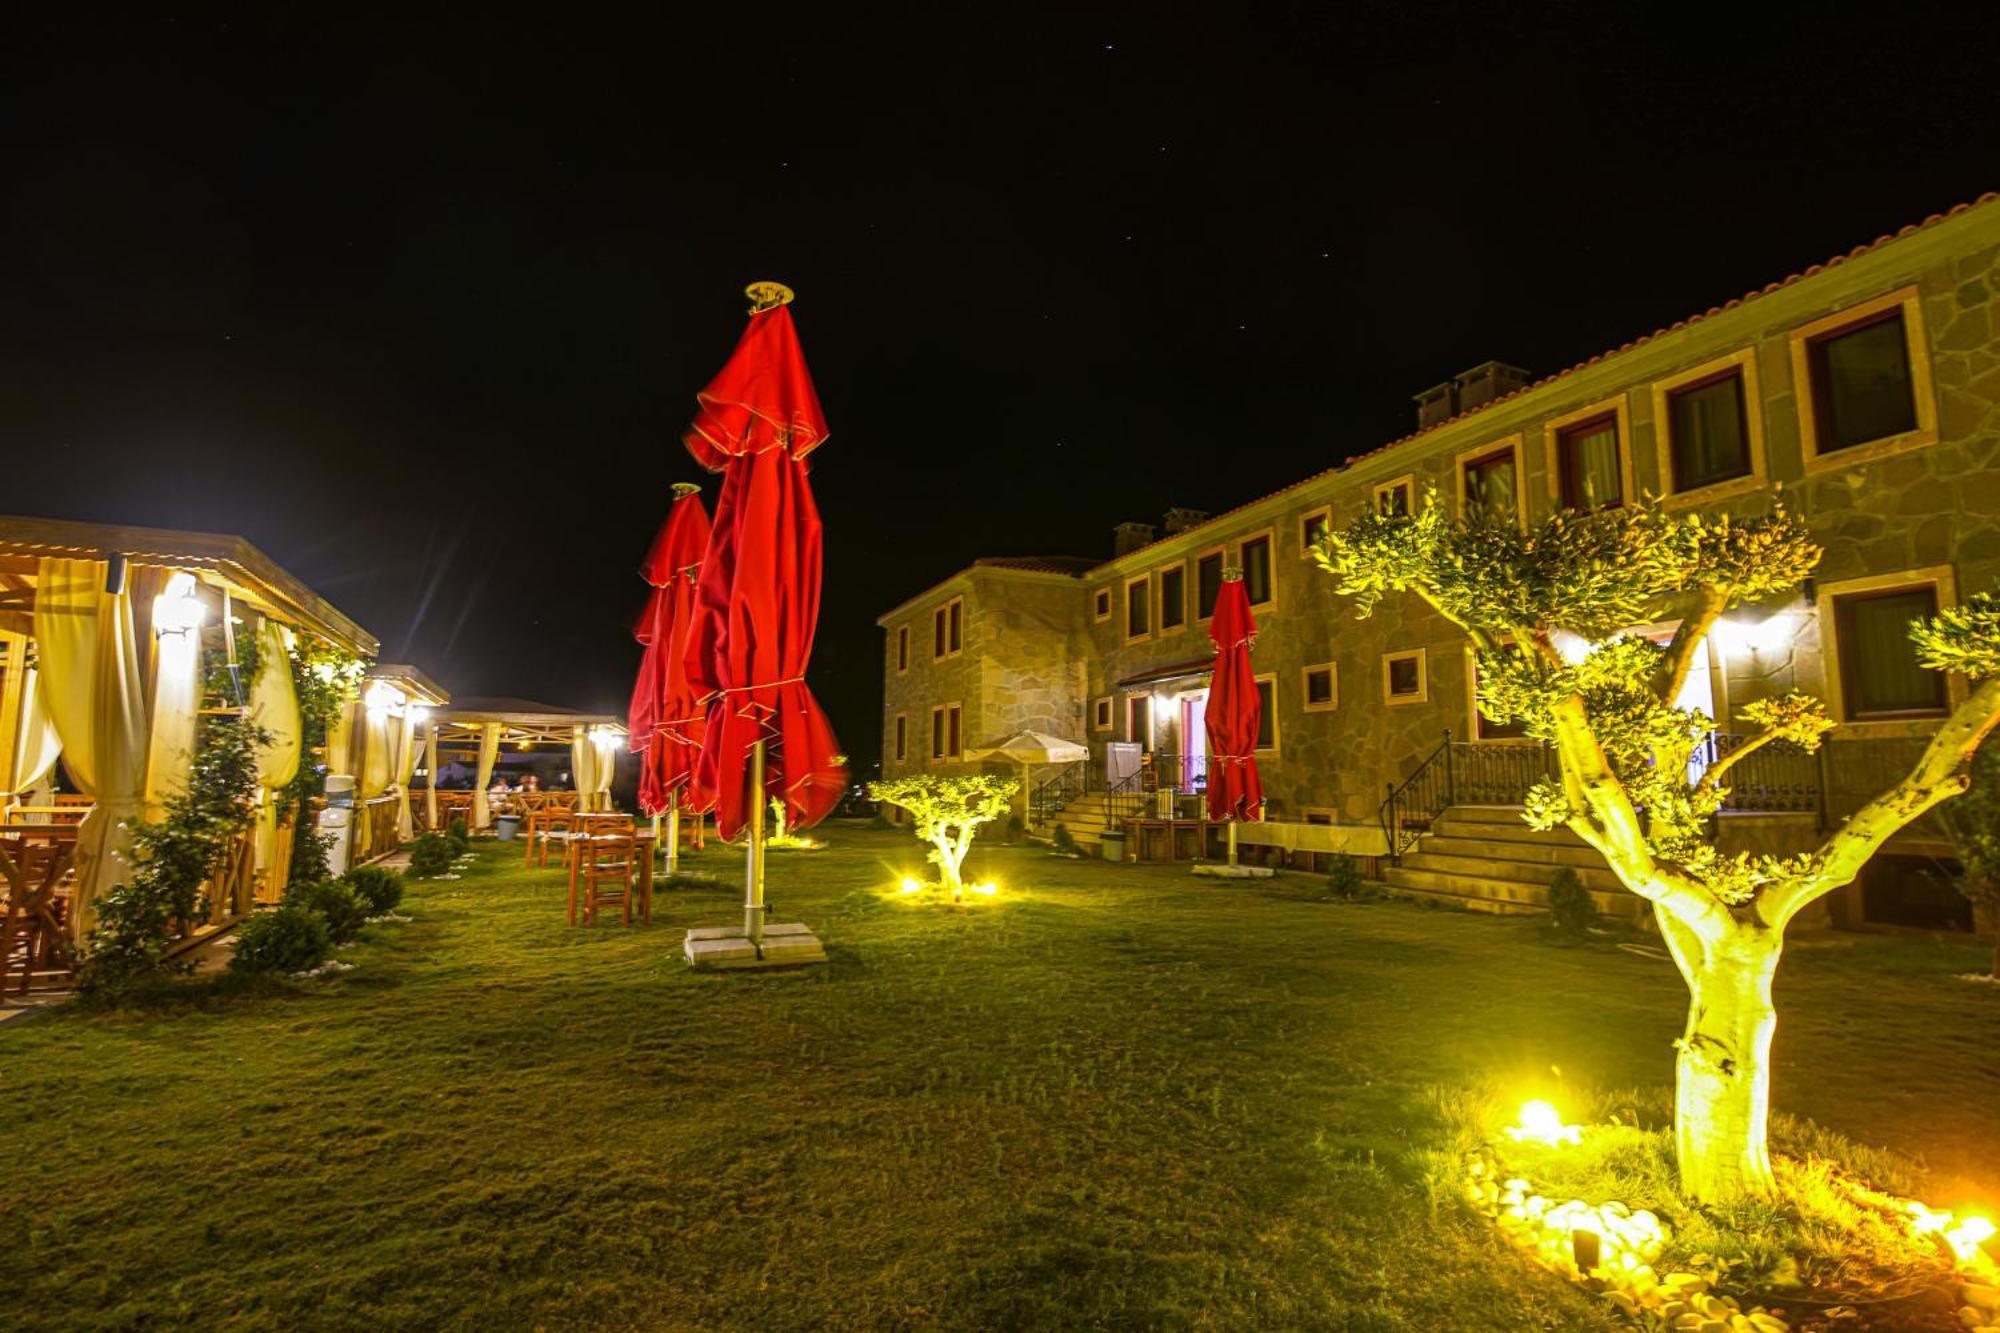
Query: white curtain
{"points": [[176, 702], [489, 750], [274, 706], [406, 769], [37, 745]]}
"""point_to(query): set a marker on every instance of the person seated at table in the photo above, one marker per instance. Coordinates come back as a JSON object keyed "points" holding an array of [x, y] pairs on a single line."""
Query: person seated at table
{"points": [[530, 785]]}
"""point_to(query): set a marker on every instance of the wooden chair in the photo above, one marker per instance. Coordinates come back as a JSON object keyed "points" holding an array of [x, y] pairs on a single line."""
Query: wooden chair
{"points": [[550, 826], [561, 800], [35, 867], [607, 861]]}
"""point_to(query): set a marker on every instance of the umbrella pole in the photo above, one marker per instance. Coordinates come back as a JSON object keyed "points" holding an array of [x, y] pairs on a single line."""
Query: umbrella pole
{"points": [[673, 834], [1232, 842], [753, 860]]}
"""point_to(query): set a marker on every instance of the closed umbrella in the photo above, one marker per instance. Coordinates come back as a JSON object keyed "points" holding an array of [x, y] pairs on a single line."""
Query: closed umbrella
{"points": [[666, 720], [757, 601], [1235, 714]]}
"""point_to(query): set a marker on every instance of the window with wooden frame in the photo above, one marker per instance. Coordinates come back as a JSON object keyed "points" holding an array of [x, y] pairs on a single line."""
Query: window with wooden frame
{"points": [[1100, 605], [1313, 525], [1590, 457], [1873, 675], [947, 739], [1319, 688], [1207, 583], [1267, 713], [1138, 609], [937, 732], [1863, 380], [1101, 711], [1139, 720], [902, 649], [948, 629], [1259, 582], [1489, 483], [1173, 598], [1405, 678], [902, 749], [1397, 497], [1709, 424]]}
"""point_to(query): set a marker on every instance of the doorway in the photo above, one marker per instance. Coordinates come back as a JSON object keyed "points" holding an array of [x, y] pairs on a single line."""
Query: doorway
{"points": [[1194, 741]]}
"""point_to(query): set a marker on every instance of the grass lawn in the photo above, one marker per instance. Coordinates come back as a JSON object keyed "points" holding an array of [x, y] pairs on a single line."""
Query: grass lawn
{"points": [[1117, 1097]]}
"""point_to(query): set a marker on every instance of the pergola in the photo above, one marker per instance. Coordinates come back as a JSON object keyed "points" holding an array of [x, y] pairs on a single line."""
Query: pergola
{"points": [[101, 636], [483, 725], [375, 742]]}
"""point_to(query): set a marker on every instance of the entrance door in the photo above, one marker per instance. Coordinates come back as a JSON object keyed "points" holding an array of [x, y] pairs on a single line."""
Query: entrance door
{"points": [[1194, 741]]}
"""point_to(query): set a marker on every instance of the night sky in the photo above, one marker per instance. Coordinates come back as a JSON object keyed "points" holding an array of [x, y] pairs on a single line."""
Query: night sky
{"points": [[421, 310]]}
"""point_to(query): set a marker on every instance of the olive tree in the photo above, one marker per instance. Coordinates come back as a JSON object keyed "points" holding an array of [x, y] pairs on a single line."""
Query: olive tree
{"points": [[948, 812], [1624, 748]]}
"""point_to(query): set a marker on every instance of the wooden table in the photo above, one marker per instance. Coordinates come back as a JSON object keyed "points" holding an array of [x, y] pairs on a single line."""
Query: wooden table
{"points": [[642, 873]]}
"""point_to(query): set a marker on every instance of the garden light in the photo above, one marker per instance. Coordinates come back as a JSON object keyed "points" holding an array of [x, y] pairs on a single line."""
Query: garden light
{"points": [[911, 886], [1965, 1235], [989, 888], [1540, 1123], [178, 610], [383, 699]]}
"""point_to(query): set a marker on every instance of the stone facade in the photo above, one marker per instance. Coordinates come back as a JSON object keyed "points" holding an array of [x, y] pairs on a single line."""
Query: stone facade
{"points": [[1920, 506]]}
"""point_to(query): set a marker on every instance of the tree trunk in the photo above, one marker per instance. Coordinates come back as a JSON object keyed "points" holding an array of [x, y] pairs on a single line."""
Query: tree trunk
{"points": [[1722, 1095], [949, 859]]}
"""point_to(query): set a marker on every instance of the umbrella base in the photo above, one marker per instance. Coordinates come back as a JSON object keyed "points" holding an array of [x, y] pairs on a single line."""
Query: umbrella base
{"points": [[1221, 871], [728, 948]]}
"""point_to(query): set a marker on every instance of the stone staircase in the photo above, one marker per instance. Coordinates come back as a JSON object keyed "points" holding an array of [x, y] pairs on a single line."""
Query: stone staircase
{"points": [[1084, 818], [1483, 857]]}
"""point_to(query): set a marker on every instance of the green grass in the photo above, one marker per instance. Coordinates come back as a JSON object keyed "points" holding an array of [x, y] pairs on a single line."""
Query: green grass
{"points": [[1117, 1097]]}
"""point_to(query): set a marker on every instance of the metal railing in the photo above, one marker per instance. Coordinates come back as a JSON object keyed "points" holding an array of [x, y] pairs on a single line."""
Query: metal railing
{"points": [[1414, 804], [1778, 778], [1498, 772], [1056, 794]]}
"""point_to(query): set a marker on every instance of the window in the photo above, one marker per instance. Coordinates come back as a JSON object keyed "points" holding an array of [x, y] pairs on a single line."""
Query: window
{"points": [[1880, 677], [1100, 714], [1710, 425], [946, 742], [1865, 382], [1267, 713], [1587, 458], [1207, 583], [1396, 497], [1257, 570], [947, 629], [1138, 609], [1404, 678], [902, 736], [1312, 527], [1173, 597], [902, 649], [1489, 483], [1321, 690], [1100, 605], [1139, 720]]}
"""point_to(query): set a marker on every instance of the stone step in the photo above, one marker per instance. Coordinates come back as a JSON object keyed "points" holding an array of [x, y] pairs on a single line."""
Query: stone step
{"points": [[1451, 826], [1531, 853], [1505, 894], [1481, 866]]}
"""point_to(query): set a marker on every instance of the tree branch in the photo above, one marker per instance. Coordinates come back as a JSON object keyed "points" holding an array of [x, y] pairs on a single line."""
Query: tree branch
{"points": [[1680, 650], [1712, 778], [1942, 773]]}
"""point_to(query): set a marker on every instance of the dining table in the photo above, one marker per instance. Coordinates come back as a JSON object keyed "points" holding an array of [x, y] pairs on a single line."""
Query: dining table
{"points": [[643, 843]]}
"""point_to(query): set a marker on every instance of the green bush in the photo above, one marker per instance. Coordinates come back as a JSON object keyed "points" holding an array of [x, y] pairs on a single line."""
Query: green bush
{"points": [[1344, 878], [1570, 904], [336, 902], [1062, 840], [379, 889], [291, 939], [1015, 828], [458, 835], [431, 855]]}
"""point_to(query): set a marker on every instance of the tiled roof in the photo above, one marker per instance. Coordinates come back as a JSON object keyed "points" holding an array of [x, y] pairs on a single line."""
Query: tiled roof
{"points": [[1858, 251], [1072, 566]]}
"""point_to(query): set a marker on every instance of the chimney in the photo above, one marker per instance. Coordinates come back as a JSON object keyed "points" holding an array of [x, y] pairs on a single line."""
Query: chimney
{"points": [[1180, 520], [1487, 381], [1437, 403], [1130, 537]]}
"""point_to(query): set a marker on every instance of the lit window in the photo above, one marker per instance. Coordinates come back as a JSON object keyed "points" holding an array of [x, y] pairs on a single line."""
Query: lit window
{"points": [[1708, 434], [1173, 597], [1207, 583], [1880, 677], [1257, 570]]}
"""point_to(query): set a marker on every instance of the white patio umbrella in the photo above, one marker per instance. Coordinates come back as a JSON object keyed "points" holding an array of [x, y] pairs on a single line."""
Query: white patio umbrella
{"points": [[1028, 748]]}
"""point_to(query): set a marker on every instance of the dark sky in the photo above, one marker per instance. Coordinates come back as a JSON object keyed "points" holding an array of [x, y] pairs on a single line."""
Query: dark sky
{"points": [[420, 309]]}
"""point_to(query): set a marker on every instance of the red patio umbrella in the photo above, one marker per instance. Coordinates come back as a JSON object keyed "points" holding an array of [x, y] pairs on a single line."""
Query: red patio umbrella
{"points": [[666, 718], [1235, 713], [757, 602]]}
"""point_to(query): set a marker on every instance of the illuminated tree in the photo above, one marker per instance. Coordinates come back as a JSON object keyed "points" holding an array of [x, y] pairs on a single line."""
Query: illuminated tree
{"points": [[948, 812], [1623, 749], [1972, 822]]}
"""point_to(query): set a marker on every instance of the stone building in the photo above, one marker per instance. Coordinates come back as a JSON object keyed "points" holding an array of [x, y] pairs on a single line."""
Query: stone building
{"points": [[1865, 391]]}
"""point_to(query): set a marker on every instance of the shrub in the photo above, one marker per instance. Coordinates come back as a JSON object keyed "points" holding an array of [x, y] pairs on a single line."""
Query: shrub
{"points": [[1571, 905], [1062, 840], [1015, 828], [379, 889], [431, 855], [291, 939], [336, 902], [1344, 878], [459, 835]]}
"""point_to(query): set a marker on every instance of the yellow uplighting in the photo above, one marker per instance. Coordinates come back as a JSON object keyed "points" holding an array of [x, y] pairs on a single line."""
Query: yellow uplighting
{"points": [[1964, 1235], [1540, 1123], [911, 886], [989, 888]]}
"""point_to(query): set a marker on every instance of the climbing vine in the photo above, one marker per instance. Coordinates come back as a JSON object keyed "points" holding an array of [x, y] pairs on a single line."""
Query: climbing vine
{"points": [[324, 679]]}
